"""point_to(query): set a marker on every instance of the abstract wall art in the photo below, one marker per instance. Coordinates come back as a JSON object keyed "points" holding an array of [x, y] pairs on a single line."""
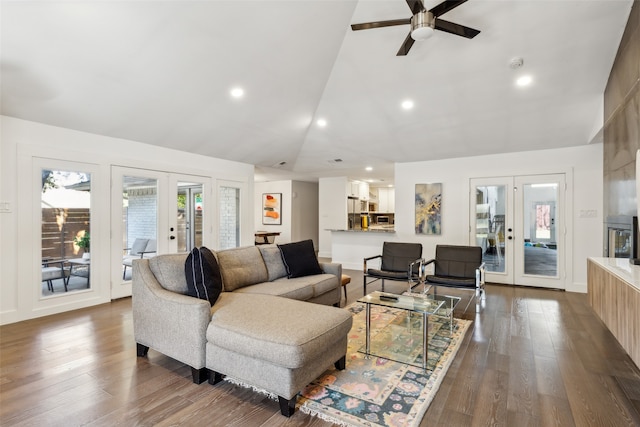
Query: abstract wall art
{"points": [[428, 203]]}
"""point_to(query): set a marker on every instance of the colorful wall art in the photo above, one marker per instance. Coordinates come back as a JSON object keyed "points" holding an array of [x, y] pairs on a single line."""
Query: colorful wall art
{"points": [[428, 202], [272, 208]]}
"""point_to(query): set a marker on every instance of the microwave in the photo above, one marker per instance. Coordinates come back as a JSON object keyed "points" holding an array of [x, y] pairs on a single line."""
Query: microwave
{"points": [[382, 220]]}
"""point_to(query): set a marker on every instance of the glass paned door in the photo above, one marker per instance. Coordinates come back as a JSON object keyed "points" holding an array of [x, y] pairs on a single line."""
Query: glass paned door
{"points": [[491, 229], [190, 216], [541, 201], [517, 221], [139, 220], [65, 206]]}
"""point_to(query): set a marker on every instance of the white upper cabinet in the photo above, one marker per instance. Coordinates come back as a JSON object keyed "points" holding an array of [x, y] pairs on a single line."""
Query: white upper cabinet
{"points": [[386, 200], [358, 189]]}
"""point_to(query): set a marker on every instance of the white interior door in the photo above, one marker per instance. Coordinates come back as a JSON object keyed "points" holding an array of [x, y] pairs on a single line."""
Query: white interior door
{"points": [[519, 224]]}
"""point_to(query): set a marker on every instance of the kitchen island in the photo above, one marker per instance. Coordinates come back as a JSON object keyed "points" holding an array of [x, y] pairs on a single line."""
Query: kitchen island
{"points": [[351, 247]]}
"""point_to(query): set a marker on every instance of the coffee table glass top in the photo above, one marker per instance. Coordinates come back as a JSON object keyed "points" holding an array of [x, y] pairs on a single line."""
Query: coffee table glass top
{"points": [[403, 338], [404, 302]]}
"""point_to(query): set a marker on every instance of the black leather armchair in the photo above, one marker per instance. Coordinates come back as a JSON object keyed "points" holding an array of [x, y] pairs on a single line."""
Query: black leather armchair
{"points": [[399, 261], [458, 267]]}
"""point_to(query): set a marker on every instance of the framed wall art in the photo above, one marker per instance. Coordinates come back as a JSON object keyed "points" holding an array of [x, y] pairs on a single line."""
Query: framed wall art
{"points": [[272, 208], [428, 202]]}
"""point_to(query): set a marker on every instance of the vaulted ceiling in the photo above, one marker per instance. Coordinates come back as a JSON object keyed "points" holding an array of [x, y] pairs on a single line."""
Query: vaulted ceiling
{"points": [[161, 72]]}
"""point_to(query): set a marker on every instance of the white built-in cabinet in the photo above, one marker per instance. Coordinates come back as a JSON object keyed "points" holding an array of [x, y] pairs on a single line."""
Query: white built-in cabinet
{"points": [[386, 200]]}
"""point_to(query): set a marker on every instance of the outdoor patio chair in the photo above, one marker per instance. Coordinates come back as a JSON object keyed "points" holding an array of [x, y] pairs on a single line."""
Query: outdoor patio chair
{"points": [[141, 248], [54, 270], [399, 261]]}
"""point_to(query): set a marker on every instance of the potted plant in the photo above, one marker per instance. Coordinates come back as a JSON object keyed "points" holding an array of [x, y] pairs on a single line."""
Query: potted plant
{"points": [[83, 242]]}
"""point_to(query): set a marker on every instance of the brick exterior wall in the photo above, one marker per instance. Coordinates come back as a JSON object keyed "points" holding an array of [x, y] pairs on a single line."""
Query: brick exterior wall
{"points": [[229, 217]]}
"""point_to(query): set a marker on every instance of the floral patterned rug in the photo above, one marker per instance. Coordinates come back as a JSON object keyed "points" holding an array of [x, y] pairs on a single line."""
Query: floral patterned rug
{"points": [[376, 391]]}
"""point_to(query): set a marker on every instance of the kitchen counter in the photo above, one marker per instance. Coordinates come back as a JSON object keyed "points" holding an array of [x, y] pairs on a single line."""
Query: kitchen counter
{"points": [[370, 230]]}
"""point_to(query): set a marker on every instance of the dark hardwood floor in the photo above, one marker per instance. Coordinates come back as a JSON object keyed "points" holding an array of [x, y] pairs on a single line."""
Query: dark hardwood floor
{"points": [[532, 357]]}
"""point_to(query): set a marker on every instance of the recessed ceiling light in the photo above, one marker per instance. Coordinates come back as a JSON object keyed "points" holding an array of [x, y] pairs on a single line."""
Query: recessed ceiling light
{"points": [[237, 92], [321, 122], [407, 104], [524, 80], [368, 168]]}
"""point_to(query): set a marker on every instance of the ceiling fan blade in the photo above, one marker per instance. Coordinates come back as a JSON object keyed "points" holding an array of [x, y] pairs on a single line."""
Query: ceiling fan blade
{"points": [[415, 6], [380, 24], [406, 45], [457, 29], [445, 7]]}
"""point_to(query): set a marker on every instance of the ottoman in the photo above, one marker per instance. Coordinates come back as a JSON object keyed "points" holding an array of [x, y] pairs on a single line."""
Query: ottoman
{"points": [[274, 343]]}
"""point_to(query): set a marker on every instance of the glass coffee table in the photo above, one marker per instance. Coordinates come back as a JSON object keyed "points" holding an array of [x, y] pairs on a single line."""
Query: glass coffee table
{"points": [[412, 304]]}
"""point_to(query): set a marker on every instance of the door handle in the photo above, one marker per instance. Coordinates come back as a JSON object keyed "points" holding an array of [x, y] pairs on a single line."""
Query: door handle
{"points": [[172, 237], [510, 237]]}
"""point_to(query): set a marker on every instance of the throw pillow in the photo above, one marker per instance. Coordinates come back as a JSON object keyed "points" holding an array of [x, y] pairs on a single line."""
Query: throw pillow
{"points": [[203, 275], [300, 259], [273, 260]]}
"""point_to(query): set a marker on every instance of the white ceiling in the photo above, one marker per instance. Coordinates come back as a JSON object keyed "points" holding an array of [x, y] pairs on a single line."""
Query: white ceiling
{"points": [[160, 72]]}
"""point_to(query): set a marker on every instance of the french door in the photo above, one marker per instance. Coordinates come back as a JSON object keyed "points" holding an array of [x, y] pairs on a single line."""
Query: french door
{"points": [[518, 221], [153, 212]]}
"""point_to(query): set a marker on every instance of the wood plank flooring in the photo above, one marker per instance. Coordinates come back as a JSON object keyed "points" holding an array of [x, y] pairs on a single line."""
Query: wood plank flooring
{"points": [[532, 357]]}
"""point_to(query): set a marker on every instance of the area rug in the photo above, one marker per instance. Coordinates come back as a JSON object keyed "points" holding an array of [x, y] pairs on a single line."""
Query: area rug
{"points": [[377, 391]]}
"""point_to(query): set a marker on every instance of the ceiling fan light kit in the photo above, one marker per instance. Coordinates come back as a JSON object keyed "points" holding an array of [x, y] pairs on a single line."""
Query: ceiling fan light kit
{"points": [[423, 23]]}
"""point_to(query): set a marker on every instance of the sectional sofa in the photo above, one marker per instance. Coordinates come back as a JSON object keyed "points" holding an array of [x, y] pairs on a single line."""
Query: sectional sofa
{"points": [[264, 329]]}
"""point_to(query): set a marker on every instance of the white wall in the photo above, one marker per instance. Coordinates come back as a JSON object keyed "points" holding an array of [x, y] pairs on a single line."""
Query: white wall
{"points": [[332, 211], [283, 187], [304, 202], [299, 210], [21, 144], [583, 169], [583, 166]]}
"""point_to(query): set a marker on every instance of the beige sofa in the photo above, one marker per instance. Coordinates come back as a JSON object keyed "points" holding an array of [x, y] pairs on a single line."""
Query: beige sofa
{"points": [[262, 330]]}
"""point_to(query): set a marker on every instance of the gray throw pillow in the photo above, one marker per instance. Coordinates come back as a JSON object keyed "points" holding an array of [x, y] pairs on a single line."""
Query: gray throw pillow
{"points": [[273, 260]]}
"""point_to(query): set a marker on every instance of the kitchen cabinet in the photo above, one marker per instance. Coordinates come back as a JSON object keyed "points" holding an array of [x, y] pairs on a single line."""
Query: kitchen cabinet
{"points": [[386, 200], [364, 191], [358, 189], [353, 189]]}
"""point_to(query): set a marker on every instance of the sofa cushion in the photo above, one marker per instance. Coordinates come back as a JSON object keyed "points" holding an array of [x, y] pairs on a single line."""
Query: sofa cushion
{"points": [[273, 260], [241, 267], [169, 271], [300, 259], [203, 275], [283, 287], [258, 326]]}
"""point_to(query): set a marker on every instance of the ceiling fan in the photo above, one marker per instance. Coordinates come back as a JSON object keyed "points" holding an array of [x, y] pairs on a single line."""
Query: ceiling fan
{"points": [[423, 23]]}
